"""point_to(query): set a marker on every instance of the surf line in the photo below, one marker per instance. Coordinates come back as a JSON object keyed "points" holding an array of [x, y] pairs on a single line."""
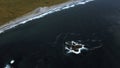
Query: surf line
{"points": [[71, 3]]}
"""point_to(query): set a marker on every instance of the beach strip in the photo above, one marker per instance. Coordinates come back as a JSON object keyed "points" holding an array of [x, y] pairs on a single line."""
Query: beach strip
{"points": [[41, 12]]}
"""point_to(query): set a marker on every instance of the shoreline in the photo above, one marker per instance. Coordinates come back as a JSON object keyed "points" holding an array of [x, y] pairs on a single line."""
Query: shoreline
{"points": [[40, 12]]}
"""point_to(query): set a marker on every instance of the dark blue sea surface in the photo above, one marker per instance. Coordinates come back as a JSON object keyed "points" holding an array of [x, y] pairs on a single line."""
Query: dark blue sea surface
{"points": [[40, 43]]}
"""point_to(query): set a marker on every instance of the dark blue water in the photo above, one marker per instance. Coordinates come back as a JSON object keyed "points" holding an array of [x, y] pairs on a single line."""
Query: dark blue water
{"points": [[40, 43]]}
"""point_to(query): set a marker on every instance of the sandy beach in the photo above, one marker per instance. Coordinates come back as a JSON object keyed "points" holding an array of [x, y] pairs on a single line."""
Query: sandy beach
{"points": [[41, 12]]}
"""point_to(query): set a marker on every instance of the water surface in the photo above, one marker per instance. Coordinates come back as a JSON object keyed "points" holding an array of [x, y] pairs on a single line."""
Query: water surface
{"points": [[40, 43]]}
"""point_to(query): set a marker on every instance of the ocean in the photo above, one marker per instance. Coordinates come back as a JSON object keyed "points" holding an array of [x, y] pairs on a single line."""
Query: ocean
{"points": [[40, 43]]}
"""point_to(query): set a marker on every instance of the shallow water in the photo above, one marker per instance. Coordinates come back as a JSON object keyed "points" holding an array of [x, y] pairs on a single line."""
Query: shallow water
{"points": [[40, 43]]}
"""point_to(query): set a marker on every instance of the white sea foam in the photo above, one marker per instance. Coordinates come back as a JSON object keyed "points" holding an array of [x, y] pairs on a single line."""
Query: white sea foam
{"points": [[69, 46], [7, 66], [41, 12]]}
